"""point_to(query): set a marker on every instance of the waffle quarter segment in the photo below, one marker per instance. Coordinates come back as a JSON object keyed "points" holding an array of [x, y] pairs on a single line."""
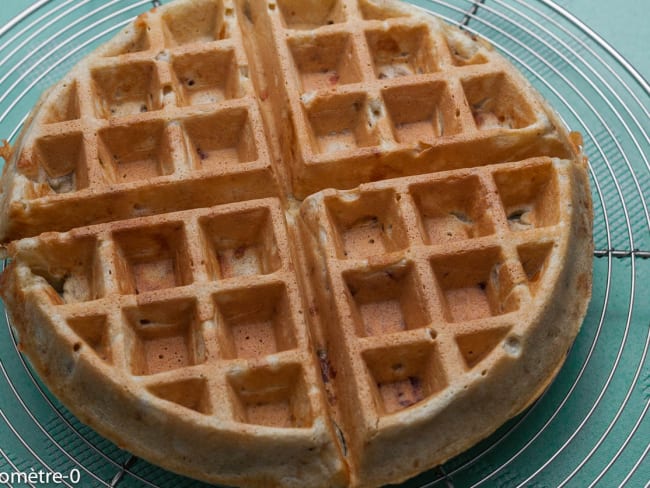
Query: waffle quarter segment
{"points": [[374, 95], [428, 289], [199, 340], [164, 118]]}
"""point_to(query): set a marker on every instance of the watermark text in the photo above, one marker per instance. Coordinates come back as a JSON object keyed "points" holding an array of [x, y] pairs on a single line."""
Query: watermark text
{"points": [[35, 477]]}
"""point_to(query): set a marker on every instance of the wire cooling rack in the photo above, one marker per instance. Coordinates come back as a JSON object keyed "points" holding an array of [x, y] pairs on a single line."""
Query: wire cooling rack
{"points": [[589, 428]]}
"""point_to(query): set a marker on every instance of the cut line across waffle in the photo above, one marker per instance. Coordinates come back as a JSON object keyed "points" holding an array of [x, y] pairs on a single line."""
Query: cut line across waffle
{"points": [[368, 98], [313, 243]]}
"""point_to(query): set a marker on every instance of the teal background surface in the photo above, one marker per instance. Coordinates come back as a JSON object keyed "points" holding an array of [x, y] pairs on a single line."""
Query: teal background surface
{"points": [[591, 427], [621, 23]]}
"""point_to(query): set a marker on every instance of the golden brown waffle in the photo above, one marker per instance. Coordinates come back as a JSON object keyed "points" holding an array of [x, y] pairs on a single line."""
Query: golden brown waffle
{"points": [[181, 337], [375, 91], [162, 118], [449, 292], [329, 242]]}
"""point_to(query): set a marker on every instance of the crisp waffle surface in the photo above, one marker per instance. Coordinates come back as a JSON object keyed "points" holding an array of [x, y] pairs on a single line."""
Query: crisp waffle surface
{"points": [[295, 243]]}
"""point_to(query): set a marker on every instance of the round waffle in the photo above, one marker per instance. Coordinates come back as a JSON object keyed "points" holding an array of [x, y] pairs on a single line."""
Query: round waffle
{"points": [[289, 243]]}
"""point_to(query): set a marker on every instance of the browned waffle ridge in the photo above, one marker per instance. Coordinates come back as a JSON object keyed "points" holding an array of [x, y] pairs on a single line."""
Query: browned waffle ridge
{"points": [[295, 243]]}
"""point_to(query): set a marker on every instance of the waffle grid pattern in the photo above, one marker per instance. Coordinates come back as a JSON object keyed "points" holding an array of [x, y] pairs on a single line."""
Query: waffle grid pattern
{"points": [[427, 273], [368, 86], [158, 109], [191, 320]]}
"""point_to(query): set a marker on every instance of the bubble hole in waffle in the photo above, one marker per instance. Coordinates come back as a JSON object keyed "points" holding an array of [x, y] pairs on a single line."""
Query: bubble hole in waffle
{"points": [[295, 243]]}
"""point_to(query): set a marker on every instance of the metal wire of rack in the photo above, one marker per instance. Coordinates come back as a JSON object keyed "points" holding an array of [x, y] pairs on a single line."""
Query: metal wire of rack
{"points": [[589, 428]]}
